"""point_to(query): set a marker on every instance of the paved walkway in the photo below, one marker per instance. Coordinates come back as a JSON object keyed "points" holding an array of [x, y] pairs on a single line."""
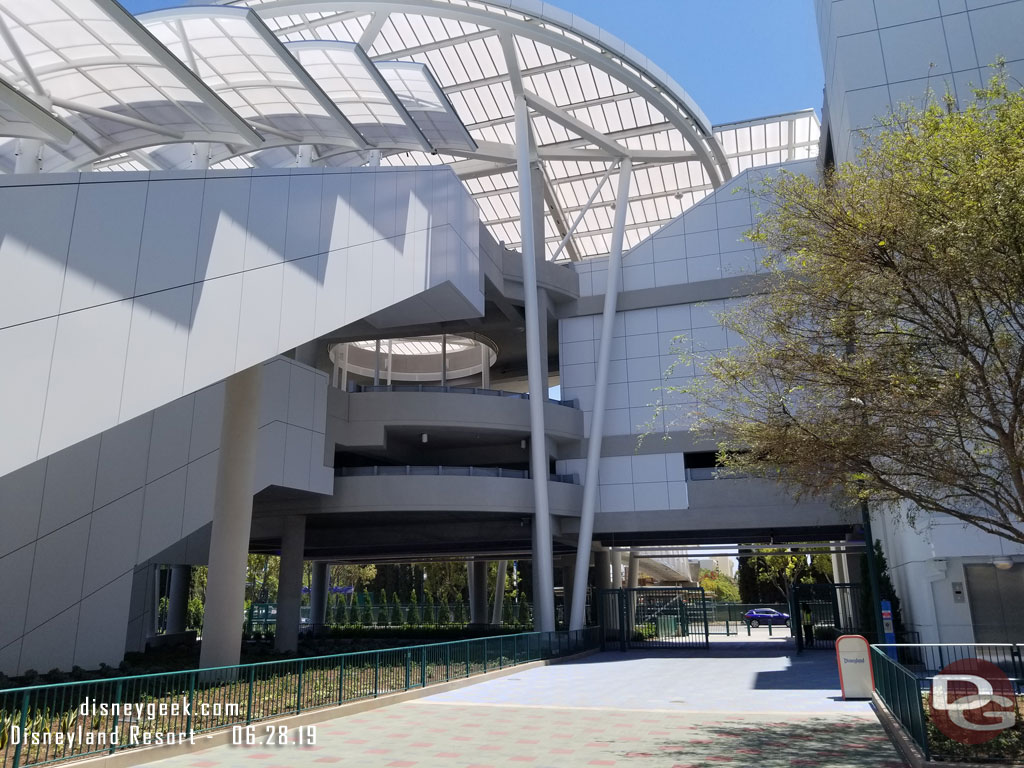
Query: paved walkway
{"points": [[734, 706]]}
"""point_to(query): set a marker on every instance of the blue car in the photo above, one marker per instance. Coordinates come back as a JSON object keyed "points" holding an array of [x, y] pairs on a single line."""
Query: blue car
{"points": [[758, 616]]}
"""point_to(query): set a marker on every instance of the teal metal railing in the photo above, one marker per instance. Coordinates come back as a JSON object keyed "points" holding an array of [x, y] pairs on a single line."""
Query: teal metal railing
{"points": [[50, 723], [900, 689], [903, 679]]}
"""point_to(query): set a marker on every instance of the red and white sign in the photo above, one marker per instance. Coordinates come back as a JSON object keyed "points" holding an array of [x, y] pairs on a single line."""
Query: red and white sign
{"points": [[972, 701], [856, 678]]}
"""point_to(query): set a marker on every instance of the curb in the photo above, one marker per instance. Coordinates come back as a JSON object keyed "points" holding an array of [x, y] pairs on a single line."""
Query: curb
{"points": [[142, 755]]}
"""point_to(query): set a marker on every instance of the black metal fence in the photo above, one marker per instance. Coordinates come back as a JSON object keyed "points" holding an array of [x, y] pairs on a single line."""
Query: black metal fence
{"points": [[822, 612], [654, 617]]}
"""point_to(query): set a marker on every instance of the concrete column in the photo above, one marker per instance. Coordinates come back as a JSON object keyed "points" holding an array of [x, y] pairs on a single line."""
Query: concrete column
{"points": [[568, 574], [289, 587], [318, 593], [477, 592], [634, 570], [177, 599], [444, 359], [499, 593], [232, 518], [543, 565], [616, 569], [485, 366], [634, 583], [602, 569]]}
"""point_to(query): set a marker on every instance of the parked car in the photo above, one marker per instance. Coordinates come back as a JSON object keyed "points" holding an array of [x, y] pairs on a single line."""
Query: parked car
{"points": [[758, 616]]}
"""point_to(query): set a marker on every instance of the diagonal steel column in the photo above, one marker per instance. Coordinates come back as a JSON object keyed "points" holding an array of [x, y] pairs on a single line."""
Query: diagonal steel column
{"points": [[611, 299], [543, 565]]}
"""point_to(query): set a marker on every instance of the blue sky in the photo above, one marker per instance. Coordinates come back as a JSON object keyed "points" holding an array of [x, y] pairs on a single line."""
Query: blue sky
{"points": [[738, 59]]}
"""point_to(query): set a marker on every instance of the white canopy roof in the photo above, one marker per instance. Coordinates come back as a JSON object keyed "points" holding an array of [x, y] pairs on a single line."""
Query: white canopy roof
{"points": [[345, 82], [90, 63]]}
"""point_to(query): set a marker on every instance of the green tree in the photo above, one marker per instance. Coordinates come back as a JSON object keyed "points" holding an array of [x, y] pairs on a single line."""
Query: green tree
{"points": [[746, 581], [887, 592], [444, 580], [781, 569], [396, 611], [885, 358], [719, 586]]}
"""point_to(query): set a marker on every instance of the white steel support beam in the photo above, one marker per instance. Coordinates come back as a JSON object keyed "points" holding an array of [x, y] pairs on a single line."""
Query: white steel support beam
{"points": [[590, 487], [582, 213], [574, 125], [106, 114], [543, 564], [377, 22]]}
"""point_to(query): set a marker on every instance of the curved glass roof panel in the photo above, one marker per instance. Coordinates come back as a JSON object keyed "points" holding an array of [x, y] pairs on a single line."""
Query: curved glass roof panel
{"points": [[362, 93], [243, 62], [426, 103], [592, 99], [401, 82], [91, 63]]}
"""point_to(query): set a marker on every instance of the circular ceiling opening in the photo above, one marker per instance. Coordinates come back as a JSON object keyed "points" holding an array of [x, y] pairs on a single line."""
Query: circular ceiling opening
{"points": [[416, 358]]}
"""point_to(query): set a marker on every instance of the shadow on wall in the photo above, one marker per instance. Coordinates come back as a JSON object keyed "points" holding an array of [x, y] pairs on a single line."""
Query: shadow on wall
{"points": [[179, 232]]}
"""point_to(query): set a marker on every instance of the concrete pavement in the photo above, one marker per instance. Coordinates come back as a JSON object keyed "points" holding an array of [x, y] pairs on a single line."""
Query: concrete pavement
{"points": [[736, 705]]}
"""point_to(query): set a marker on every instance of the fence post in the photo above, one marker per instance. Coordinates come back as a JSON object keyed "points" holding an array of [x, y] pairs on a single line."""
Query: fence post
{"points": [[248, 705], [620, 598], [191, 701], [704, 610], [447, 662], [408, 667], [298, 698], [423, 666], [485, 655], [24, 715], [376, 674], [467, 657], [341, 680], [117, 698]]}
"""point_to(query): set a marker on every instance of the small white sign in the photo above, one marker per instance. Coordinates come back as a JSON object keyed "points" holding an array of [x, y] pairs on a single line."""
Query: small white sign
{"points": [[856, 678]]}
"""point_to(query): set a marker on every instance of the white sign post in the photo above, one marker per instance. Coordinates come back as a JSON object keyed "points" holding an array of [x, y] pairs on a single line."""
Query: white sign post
{"points": [[856, 678]]}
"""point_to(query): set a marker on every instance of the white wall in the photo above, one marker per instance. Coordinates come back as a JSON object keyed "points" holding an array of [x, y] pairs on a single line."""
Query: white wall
{"points": [[879, 54], [705, 243], [926, 558], [73, 526], [120, 292]]}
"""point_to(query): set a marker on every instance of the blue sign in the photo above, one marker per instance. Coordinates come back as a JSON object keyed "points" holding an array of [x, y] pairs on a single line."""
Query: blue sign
{"points": [[888, 628]]}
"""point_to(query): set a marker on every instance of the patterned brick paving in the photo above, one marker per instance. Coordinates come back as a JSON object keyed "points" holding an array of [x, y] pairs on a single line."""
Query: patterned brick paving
{"points": [[766, 711]]}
